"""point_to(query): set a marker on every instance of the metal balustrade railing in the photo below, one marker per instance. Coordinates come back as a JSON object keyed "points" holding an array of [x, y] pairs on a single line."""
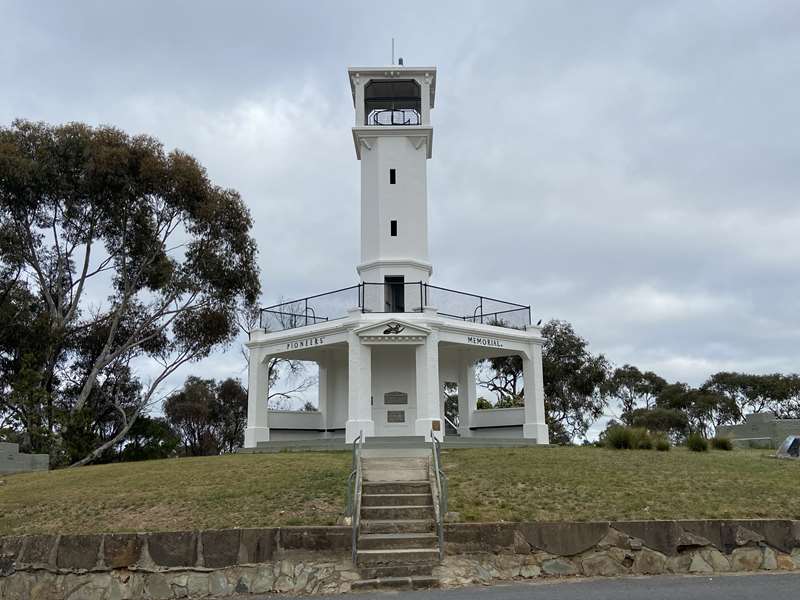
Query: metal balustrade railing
{"points": [[394, 297], [441, 491], [353, 507]]}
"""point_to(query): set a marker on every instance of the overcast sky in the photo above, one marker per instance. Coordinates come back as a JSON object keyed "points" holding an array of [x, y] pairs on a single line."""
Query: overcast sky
{"points": [[630, 167]]}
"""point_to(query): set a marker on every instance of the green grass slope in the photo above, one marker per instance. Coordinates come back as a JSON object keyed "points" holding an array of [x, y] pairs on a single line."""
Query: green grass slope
{"points": [[485, 485]]}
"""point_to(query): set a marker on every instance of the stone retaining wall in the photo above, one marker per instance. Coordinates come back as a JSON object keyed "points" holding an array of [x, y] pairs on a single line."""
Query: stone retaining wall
{"points": [[312, 560], [483, 552]]}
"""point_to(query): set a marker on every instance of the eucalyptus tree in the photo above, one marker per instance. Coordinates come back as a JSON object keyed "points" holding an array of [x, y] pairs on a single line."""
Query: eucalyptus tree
{"points": [[136, 258]]}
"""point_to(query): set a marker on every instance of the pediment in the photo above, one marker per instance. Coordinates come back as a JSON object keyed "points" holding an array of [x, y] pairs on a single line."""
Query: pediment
{"points": [[393, 331]]}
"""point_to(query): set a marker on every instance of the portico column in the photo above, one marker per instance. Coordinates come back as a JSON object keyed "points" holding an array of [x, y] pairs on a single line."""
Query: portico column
{"points": [[427, 370], [535, 426], [257, 394], [322, 386], [467, 401], [359, 389]]}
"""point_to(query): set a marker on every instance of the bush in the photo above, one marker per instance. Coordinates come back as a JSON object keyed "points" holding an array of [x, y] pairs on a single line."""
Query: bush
{"points": [[628, 438], [619, 438], [662, 444], [721, 443], [641, 440], [697, 443]]}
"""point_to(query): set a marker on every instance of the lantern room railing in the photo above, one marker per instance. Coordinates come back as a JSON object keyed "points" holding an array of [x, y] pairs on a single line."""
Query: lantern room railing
{"points": [[391, 297], [389, 117]]}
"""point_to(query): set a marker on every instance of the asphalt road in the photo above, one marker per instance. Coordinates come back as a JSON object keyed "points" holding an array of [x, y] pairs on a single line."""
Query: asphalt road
{"points": [[726, 587]]}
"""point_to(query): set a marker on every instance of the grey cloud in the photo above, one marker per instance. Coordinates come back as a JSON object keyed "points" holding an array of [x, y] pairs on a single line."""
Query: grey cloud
{"points": [[630, 167]]}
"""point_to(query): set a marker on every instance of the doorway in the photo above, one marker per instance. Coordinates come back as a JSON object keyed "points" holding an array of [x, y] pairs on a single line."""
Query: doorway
{"points": [[394, 294]]}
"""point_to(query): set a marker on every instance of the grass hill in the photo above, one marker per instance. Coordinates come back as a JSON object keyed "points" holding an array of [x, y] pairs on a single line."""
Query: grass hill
{"points": [[257, 490]]}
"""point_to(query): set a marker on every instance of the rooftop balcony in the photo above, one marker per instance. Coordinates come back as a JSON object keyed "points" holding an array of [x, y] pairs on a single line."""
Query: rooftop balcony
{"points": [[393, 298]]}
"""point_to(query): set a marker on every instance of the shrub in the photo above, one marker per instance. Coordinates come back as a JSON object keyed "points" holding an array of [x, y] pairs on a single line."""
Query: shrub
{"points": [[662, 443], [619, 438], [628, 438], [697, 443], [640, 439], [721, 443]]}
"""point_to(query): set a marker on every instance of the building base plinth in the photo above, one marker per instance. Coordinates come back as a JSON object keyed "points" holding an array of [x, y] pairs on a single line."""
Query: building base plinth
{"points": [[353, 429], [537, 431], [253, 435]]}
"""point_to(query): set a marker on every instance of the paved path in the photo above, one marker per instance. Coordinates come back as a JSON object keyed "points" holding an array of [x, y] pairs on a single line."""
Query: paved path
{"points": [[726, 587]]}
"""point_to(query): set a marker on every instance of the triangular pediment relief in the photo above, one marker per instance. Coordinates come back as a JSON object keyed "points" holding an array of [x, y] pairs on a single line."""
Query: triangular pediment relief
{"points": [[393, 331]]}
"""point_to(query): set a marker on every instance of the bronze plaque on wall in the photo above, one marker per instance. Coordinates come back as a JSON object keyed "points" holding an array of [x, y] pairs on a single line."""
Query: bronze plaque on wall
{"points": [[395, 416], [395, 398]]}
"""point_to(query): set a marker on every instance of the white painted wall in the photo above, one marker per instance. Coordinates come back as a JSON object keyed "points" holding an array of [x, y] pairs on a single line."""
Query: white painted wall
{"points": [[393, 370], [406, 201]]}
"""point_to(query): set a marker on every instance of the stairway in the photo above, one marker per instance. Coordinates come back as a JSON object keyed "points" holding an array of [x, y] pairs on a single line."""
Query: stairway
{"points": [[397, 542]]}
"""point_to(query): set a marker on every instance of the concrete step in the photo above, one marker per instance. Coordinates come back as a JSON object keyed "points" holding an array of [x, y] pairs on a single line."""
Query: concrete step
{"points": [[387, 541], [395, 474], [396, 487], [395, 462], [396, 499], [370, 558], [397, 526], [397, 570], [395, 583], [406, 440], [389, 513]]}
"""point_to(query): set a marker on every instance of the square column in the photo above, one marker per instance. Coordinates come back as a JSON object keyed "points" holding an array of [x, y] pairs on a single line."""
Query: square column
{"points": [[257, 395], [359, 389], [322, 386], [467, 399], [428, 405], [535, 426]]}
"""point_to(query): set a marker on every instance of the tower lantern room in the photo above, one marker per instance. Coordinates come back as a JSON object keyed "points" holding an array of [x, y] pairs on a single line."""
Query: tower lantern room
{"points": [[393, 139]]}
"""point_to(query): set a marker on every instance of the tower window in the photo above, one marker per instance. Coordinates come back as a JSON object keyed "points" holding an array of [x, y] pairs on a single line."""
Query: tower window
{"points": [[393, 228], [392, 176]]}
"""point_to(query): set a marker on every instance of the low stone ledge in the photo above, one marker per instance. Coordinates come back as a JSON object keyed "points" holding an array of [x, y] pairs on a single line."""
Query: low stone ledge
{"points": [[335, 538], [78, 552], [564, 538], [461, 538], [258, 545], [122, 550], [173, 548], [220, 547], [39, 550], [667, 537], [312, 560]]}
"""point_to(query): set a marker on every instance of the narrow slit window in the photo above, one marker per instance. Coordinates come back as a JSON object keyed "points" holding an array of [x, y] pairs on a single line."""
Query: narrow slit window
{"points": [[392, 176], [393, 228]]}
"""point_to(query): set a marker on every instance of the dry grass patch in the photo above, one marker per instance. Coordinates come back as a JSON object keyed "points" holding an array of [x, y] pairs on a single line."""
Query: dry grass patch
{"points": [[582, 484], [258, 490], [252, 490]]}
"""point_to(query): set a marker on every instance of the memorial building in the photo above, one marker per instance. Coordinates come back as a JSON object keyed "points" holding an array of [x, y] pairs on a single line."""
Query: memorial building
{"points": [[387, 345]]}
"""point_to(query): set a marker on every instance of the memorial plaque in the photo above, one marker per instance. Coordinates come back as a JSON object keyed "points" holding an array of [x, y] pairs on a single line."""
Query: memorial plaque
{"points": [[395, 398], [395, 416]]}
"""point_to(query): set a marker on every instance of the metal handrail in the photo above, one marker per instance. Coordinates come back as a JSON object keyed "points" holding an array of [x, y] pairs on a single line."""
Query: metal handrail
{"points": [[441, 489], [353, 508], [453, 425], [301, 312]]}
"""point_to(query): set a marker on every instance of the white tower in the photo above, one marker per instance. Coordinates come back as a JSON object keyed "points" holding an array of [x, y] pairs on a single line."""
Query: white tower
{"points": [[393, 138]]}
